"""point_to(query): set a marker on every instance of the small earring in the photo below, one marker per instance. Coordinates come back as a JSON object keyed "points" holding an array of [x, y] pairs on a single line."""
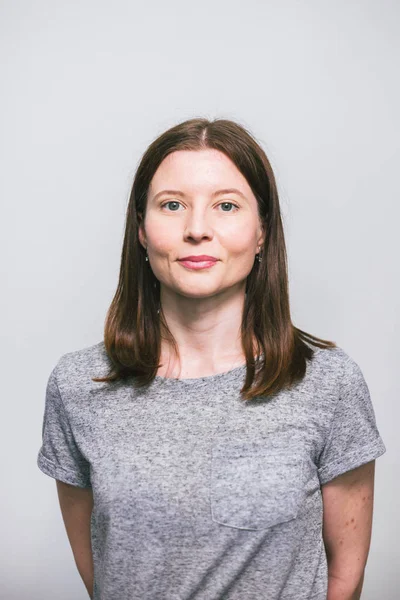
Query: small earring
{"points": [[147, 257], [259, 256]]}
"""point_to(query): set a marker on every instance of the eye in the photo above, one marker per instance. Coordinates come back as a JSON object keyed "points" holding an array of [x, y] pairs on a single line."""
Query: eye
{"points": [[220, 204], [229, 203], [170, 202]]}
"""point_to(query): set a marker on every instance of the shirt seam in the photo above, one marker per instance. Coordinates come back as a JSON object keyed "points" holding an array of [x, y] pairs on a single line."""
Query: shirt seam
{"points": [[55, 467], [354, 454]]}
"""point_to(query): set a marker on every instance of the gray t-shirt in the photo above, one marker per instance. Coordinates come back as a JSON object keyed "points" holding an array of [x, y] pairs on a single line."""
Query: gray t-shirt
{"points": [[198, 495]]}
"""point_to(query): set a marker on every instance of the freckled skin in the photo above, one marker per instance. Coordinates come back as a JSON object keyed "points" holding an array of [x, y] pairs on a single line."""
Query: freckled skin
{"points": [[348, 544]]}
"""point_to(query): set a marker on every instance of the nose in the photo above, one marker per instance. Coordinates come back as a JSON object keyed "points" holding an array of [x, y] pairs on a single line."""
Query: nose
{"points": [[197, 224]]}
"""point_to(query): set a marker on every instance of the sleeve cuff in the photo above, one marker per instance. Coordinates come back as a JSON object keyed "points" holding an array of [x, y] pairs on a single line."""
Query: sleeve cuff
{"points": [[58, 472], [351, 461]]}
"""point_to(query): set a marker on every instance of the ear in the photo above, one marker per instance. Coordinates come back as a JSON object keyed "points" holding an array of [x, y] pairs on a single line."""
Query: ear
{"points": [[261, 238], [141, 231]]}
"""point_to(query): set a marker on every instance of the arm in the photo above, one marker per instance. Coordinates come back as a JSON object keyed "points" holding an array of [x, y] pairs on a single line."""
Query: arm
{"points": [[76, 505], [348, 507]]}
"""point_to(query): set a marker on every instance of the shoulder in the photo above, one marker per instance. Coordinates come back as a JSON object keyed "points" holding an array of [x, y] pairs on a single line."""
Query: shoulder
{"points": [[333, 359], [77, 368], [330, 369]]}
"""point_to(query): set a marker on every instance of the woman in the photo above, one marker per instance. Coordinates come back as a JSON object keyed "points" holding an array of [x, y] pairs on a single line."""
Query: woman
{"points": [[208, 448]]}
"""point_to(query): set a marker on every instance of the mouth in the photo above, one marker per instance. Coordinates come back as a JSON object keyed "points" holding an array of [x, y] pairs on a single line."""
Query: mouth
{"points": [[199, 258], [198, 264]]}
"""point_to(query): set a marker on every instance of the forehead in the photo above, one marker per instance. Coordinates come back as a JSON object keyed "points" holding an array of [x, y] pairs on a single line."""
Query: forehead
{"points": [[200, 170]]}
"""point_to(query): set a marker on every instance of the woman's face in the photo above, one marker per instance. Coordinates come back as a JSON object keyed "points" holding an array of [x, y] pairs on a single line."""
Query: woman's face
{"points": [[196, 217]]}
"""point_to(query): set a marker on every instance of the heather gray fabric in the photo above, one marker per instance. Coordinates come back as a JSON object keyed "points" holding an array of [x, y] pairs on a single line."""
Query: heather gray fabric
{"points": [[197, 495]]}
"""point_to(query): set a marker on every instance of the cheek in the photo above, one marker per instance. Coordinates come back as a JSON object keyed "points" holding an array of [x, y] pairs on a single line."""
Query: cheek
{"points": [[240, 242], [163, 240]]}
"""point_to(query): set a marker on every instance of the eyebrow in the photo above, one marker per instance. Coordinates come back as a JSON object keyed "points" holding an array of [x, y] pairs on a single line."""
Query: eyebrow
{"points": [[217, 193]]}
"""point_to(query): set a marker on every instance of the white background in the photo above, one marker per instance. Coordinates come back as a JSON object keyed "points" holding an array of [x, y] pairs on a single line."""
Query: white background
{"points": [[85, 87]]}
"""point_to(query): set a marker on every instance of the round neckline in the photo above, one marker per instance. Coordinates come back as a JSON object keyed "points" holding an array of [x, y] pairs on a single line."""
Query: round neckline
{"points": [[206, 378]]}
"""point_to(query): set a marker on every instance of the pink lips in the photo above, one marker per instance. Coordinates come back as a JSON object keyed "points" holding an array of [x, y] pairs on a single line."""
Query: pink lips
{"points": [[201, 261], [198, 258]]}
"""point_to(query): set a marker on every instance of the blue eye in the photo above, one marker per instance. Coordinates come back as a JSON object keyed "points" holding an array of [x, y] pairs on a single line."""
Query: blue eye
{"points": [[220, 204], [231, 203], [170, 202]]}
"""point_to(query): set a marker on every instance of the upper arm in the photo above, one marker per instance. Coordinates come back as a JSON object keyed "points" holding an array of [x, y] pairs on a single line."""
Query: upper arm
{"points": [[60, 455], [347, 521], [76, 505]]}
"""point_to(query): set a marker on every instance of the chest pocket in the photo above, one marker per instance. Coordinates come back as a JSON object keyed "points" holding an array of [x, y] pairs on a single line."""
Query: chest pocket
{"points": [[253, 485]]}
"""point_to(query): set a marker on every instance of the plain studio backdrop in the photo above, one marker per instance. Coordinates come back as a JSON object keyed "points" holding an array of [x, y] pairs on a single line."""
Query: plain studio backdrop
{"points": [[85, 87]]}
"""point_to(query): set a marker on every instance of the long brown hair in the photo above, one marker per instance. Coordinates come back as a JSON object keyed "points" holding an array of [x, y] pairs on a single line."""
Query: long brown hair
{"points": [[135, 320]]}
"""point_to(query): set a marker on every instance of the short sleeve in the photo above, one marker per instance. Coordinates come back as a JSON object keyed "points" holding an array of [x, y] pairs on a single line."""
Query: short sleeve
{"points": [[59, 455], [353, 439]]}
